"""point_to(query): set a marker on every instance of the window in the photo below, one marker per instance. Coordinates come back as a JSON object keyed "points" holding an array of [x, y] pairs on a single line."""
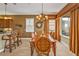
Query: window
{"points": [[29, 24], [51, 25], [65, 25]]}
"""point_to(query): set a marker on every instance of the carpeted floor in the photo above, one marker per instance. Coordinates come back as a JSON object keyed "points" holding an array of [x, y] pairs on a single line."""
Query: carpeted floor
{"points": [[24, 50]]}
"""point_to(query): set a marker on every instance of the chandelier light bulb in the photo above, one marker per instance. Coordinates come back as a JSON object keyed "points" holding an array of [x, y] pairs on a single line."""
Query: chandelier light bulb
{"points": [[46, 17], [40, 15], [5, 18], [37, 17]]}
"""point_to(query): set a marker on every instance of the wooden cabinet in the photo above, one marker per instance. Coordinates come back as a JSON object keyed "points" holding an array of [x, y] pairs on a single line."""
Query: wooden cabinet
{"points": [[1, 23], [6, 23]]}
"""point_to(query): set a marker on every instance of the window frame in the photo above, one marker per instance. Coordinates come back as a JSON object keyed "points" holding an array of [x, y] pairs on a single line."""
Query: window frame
{"points": [[54, 23], [29, 25]]}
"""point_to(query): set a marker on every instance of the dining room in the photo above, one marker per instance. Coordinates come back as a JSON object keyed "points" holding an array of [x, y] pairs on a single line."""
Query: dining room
{"points": [[37, 29]]}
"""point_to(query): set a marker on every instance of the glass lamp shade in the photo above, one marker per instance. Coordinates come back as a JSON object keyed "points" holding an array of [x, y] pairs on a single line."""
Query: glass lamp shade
{"points": [[42, 17], [37, 17], [7, 18], [46, 17]]}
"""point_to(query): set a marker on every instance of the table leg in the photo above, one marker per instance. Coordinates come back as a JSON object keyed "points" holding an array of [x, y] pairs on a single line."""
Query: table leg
{"points": [[54, 48], [31, 51], [5, 45], [10, 47], [17, 41], [32, 48]]}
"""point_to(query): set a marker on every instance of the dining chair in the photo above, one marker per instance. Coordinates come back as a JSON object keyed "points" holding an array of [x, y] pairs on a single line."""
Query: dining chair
{"points": [[42, 46], [9, 42], [32, 42]]}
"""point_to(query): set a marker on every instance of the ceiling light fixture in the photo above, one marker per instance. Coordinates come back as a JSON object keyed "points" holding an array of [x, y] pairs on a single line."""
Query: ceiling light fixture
{"points": [[5, 16], [42, 16]]}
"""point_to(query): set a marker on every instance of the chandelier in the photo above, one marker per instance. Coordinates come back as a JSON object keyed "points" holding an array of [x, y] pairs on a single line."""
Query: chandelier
{"points": [[42, 16], [5, 16]]}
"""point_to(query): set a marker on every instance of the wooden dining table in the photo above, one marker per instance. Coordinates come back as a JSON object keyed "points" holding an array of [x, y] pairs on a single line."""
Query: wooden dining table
{"points": [[52, 41]]}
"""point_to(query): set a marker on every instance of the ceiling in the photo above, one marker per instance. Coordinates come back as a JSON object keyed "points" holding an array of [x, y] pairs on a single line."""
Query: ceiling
{"points": [[31, 8]]}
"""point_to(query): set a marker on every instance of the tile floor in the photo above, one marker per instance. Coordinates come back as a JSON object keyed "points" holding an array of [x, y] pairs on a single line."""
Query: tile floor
{"points": [[24, 50]]}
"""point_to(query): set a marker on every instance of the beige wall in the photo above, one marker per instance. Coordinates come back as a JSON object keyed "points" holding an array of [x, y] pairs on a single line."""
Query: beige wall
{"points": [[20, 20]]}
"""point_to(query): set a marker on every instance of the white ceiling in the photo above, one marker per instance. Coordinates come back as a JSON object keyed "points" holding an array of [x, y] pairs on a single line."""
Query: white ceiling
{"points": [[31, 8]]}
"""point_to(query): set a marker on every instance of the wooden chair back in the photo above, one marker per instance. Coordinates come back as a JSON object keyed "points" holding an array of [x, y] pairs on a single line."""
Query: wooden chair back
{"points": [[42, 46]]}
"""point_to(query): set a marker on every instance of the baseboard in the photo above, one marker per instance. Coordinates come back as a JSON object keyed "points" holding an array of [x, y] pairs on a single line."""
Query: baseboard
{"points": [[1, 50]]}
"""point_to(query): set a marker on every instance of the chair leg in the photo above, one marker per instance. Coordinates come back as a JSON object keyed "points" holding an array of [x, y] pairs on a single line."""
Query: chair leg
{"points": [[20, 40], [5, 45], [14, 44], [54, 48], [32, 51], [17, 41], [32, 48], [10, 47]]}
